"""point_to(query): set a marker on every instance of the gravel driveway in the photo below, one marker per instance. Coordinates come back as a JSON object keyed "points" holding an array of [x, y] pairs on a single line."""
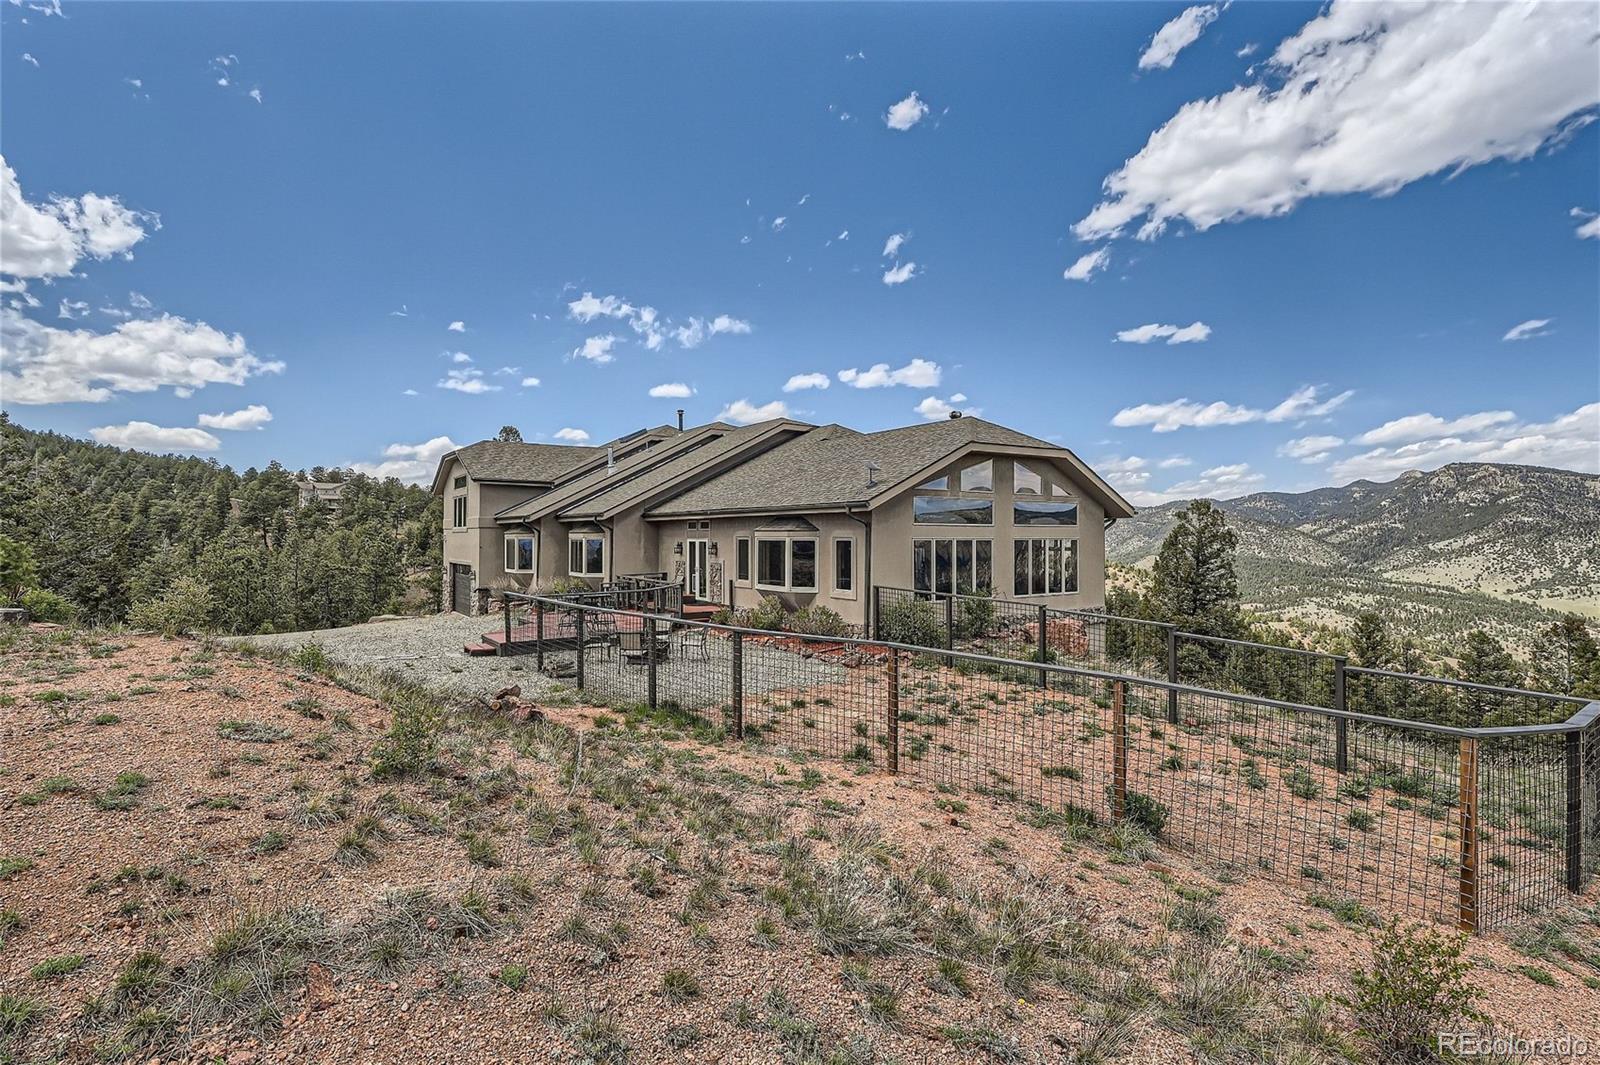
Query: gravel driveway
{"points": [[426, 650]]}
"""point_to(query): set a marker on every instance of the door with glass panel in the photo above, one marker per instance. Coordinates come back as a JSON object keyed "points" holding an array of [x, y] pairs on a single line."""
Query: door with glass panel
{"points": [[695, 573]]}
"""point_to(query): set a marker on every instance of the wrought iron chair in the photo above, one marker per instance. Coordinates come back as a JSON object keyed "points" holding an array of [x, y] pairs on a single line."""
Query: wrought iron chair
{"points": [[632, 648], [692, 644]]}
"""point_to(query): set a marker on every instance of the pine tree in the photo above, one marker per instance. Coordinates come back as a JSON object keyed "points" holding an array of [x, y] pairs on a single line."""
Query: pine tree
{"points": [[1566, 660], [1370, 645], [1194, 583], [510, 434]]}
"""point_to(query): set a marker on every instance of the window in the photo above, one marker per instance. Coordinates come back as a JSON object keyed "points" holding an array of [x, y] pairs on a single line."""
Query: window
{"points": [[460, 482], [1028, 512], [787, 565], [519, 553], [586, 556], [844, 566], [979, 477], [458, 513], [962, 566], [742, 560], [938, 484], [1024, 481], [952, 510], [1045, 567]]}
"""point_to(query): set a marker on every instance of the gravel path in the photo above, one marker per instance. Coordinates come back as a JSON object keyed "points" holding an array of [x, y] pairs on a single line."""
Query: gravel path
{"points": [[426, 650]]}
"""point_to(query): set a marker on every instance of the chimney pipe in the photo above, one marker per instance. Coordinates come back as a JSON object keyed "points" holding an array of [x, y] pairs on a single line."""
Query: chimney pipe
{"points": [[611, 459], [680, 419]]}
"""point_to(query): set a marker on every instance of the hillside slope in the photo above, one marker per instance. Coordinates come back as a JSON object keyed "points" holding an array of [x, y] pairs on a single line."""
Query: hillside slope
{"points": [[1501, 544]]}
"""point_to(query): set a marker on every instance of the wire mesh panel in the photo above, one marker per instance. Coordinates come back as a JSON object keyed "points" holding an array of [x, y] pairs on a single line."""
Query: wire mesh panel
{"points": [[1288, 674], [1472, 826]]}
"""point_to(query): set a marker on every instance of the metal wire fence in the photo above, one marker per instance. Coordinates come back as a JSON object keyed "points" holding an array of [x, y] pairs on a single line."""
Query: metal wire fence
{"points": [[1366, 814]]}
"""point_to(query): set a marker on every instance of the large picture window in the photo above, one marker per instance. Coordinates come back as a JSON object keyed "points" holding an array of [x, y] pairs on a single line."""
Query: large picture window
{"points": [[586, 556], [519, 553], [787, 564], [1038, 512], [952, 510], [944, 566], [1044, 567]]}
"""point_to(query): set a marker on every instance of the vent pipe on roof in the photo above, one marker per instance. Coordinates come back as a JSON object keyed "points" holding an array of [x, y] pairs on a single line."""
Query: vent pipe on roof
{"points": [[955, 415], [680, 419], [611, 459], [872, 474]]}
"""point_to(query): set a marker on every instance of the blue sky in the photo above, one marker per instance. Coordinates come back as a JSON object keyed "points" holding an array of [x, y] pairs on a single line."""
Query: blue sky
{"points": [[1314, 271]]}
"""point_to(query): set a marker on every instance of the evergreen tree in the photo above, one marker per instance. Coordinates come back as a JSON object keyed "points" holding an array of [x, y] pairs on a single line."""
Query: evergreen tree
{"points": [[1194, 583], [1566, 660], [1370, 645], [510, 434]]}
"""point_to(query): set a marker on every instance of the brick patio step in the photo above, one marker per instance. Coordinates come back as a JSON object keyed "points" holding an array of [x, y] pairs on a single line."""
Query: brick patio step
{"points": [[479, 649]]}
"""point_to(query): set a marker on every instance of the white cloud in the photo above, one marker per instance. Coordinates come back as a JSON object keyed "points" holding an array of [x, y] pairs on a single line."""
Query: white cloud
{"points": [[27, 57], [572, 436], [802, 381], [905, 114], [1129, 472], [1174, 334], [892, 246], [411, 392], [530, 382], [934, 409], [1088, 264], [457, 327], [508, 371], [722, 323], [1246, 50], [72, 309], [646, 322], [1367, 97], [469, 381], [1589, 229], [414, 463], [1429, 427], [255, 416], [671, 390], [458, 357], [597, 349], [1309, 448], [900, 274], [1182, 413], [743, 412], [1571, 441], [48, 240], [139, 301], [255, 94], [918, 373], [146, 436], [49, 365], [778, 223], [1175, 462], [844, 234], [1533, 327], [587, 307], [1177, 35], [695, 331]]}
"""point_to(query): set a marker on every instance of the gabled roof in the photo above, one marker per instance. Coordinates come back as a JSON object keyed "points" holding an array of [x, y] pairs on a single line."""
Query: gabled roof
{"points": [[827, 468], [516, 462]]}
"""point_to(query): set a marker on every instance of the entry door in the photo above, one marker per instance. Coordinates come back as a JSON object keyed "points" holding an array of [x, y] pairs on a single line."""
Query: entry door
{"points": [[460, 588], [695, 572]]}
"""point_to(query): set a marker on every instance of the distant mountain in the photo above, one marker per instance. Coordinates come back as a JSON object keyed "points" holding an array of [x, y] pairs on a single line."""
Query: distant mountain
{"points": [[1468, 544]]}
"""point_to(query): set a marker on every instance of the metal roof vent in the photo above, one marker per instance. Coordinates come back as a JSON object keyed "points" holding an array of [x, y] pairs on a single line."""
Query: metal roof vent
{"points": [[955, 415], [611, 460], [872, 473]]}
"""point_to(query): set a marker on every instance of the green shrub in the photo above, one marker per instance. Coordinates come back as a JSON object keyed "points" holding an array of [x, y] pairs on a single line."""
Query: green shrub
{"points": [[185, 606], [45, 605], [912, 621], [409, 747], [974, 616], [768, 614], [1145, 812], [1417, 987], [818, 620]]}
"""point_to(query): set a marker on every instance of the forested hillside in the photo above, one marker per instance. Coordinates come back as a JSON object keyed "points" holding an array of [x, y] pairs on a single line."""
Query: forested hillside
{"points": [[124, 534]]}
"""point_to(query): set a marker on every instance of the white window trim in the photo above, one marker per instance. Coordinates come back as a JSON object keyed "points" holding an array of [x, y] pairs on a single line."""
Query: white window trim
{"points": [[462, 500], [788, 584], [604, 553], [744, 582], [507, 552], [833, 563]]}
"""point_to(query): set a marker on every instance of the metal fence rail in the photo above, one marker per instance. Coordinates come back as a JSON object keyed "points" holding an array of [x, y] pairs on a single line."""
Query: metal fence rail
{"points": [[1475, 826]]}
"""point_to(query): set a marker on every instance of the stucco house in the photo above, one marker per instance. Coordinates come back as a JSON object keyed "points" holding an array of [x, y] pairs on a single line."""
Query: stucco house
{"points": [[814, 514]]}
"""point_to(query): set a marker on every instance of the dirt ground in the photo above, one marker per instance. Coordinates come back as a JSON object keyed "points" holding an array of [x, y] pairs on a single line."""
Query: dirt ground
{"points": [[198, 863]]}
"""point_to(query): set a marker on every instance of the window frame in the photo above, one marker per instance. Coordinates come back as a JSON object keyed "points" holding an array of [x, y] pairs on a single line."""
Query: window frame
{"points": [[848, 570], [458, 511], [985, 501], [954, 568], [1055, 550], [585, 539], [1047, 506], [743, 562], [788, 543], [533, 552]]}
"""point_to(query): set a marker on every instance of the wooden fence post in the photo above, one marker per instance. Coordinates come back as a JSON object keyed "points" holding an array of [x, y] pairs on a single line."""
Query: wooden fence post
{"points": [[894, 711], [1119, 752], [1467, 825], [738, 685]]}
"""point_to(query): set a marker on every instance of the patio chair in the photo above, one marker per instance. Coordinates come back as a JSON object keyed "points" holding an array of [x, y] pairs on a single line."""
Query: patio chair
{"points": [[602, 628], [631, 646], [692, 644]]}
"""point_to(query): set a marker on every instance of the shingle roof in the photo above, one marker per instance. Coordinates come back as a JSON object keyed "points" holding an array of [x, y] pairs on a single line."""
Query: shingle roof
{"points": [[500, 460], [827, 467]]}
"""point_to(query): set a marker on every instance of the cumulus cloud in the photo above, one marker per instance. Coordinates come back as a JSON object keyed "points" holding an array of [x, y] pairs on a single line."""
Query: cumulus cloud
{"points": [[588, 307], [572, 436], [900, 274], [49, 365], [48, 239], [1184, 413], [1367, 97], [1177, 35], [146, 436], [892, 246], [1431, 427], [71, 309], [1173, 334], [469, 381], [801, 381], [530, 382], [255, 416], [671, 390], [1309, 448], [1088, 264], [652, 329], [457, 327], [413, 463], [458, 357], [1533, 327], [1570, 441], [933, 408], [597, 349], [906, 113], [743, 412], [1588, 224], [918, 373]]}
